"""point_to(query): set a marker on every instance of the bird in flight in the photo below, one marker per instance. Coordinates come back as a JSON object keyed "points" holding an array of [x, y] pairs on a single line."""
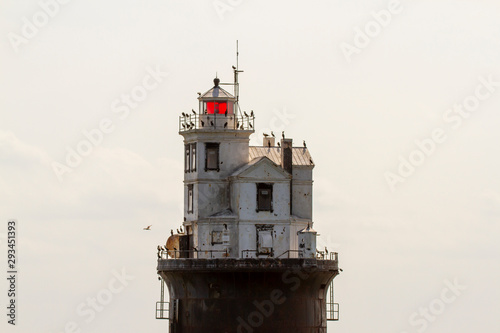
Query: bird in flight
{"points": [[147, 228]]}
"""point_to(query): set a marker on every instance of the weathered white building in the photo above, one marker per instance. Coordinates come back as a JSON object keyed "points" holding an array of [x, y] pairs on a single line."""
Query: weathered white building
{"points": [[241, 200]]}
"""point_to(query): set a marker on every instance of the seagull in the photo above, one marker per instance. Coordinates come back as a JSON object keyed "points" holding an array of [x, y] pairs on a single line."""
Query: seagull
{"points": [[182, 231], [192, 124], [304, 143], [183, 125], [178, 231], [272, 133], [326, 250], [171, 233], [310, 160], [233, 67], [199, 93], [266, 135], [283, 134], [250, 125], [279, 145], [245, 113], [225, 124], [147, 228], [183, 114], [194, 112]]}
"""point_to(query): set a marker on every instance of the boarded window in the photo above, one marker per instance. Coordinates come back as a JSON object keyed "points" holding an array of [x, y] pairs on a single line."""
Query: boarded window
{"points": [[217, 237], [193, 157], [265, 239], [190, 199], [264, 197], [186, 158], [211, 156]]}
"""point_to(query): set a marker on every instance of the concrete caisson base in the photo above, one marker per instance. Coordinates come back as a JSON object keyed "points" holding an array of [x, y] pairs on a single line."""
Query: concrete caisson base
{"points": [[247, 295]]}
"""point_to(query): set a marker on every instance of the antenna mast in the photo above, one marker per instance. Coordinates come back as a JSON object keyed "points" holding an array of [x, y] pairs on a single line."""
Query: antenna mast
{"points": [[236, 84]]}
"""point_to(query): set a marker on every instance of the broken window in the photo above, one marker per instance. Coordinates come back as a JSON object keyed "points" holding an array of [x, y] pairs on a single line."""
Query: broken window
{"points": [[211, 156], [264, 197], [265, 239]]}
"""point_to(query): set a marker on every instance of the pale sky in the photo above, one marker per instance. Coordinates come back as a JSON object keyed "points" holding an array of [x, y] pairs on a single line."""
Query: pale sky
{"points": [[402, 124]]}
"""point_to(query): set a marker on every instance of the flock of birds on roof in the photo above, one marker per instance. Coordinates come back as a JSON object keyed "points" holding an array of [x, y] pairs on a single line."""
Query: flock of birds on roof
{"points": [[188, 123], [279, 145]]}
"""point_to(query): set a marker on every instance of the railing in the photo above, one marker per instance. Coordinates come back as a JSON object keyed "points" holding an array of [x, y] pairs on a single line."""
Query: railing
{"points": [[162, 310], [192, 121], [194, 254], [323, 255], [332, 308], [299, 253]]}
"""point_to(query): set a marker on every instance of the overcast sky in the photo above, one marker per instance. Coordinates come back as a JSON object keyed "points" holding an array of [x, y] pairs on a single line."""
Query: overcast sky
{"points": [[398, 103]]}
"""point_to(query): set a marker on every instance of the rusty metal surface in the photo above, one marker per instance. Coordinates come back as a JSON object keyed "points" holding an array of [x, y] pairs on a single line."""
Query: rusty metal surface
{"points": [[247, 295]]}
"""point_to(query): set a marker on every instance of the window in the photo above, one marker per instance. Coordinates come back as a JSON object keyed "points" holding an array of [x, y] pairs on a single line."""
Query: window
{"points": [[264, 197], [264, 239], [193, 157], [190, 199], [211, 156], [216, 237], [186, 158]]}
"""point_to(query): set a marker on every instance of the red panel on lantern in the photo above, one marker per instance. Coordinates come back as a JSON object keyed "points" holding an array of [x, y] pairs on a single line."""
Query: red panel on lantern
{"points": [[218, 107]]}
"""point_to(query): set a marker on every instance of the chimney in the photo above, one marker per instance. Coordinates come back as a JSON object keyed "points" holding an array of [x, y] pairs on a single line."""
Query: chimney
{"points": [[268, 141], [286, 155]]}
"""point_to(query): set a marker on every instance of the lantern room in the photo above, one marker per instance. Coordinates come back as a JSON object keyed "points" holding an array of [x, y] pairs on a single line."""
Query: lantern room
{"points": [[217, 101]]}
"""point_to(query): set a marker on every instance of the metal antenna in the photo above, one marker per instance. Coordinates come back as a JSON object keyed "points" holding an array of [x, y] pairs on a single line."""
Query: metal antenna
{"points": [[236, 84]]}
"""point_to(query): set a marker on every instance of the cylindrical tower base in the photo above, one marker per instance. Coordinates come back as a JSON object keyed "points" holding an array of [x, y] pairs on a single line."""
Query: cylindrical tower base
{"points": [[247, 295]]}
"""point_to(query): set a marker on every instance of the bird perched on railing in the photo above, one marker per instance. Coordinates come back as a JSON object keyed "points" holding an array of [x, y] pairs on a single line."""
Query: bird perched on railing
{"points": [[183, 114], [251, 113], [265, 135], [182, 230], [279, 145], [283, 134], [194, 112], [250, 125], [272, 134], [304, 143], [246, 114]]}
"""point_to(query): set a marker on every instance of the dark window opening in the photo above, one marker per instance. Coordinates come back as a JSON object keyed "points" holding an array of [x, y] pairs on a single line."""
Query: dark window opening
{"points": [[264, 197], [211, 156], [190, 201]]}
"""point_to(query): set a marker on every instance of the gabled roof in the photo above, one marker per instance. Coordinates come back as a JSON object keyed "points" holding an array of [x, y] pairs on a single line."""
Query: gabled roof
{"points": [[261, 162], [216, 92], [300, 156]]}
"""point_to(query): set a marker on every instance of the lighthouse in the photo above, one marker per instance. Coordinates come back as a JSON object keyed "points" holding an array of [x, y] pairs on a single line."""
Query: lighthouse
{"points": [[245, 257]]}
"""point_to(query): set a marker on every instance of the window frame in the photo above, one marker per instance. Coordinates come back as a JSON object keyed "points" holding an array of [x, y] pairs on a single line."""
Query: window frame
{"points": [[187, 158], [192, 159], [259, 205], [190, 198], [212, 146]]}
